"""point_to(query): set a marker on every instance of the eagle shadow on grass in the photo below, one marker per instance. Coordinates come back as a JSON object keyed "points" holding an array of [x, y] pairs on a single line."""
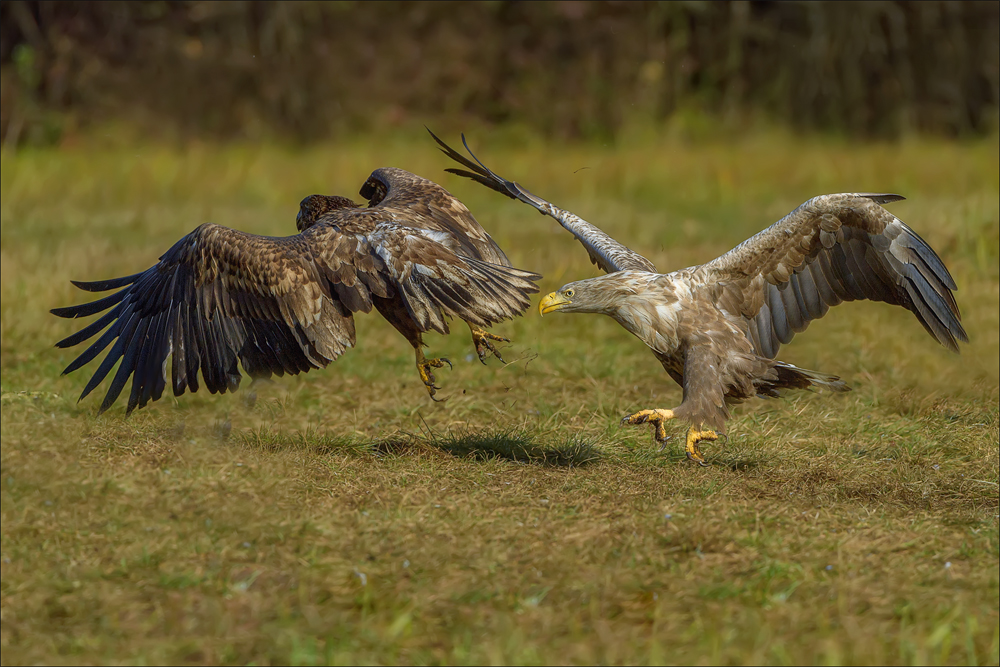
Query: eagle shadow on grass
{"points": [[514, 444], [511, 444]]}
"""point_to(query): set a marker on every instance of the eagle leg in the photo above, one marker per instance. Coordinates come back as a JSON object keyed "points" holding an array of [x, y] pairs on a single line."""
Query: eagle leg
{"points": [[481, 339], [694, 436], [657, 418], [424, 367]]}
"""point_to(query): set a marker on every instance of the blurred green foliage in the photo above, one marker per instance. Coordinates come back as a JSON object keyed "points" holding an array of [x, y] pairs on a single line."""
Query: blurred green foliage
{"points": [[304, 71]]}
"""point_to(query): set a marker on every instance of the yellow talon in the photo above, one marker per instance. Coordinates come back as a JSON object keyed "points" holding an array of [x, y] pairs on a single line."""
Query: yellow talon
{"points": [[657, 418], [424, 367], [695, 436], [482, 339]]}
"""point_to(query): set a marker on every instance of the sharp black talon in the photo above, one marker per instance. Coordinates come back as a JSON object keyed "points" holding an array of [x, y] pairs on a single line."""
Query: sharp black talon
{"points": [[497, 355], [448, 362]]}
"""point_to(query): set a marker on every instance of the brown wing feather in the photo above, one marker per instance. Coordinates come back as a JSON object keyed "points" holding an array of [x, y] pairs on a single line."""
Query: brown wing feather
{"points": [[833, 248], [435, 283], [437, 269], [220, 296], [416, 202]]}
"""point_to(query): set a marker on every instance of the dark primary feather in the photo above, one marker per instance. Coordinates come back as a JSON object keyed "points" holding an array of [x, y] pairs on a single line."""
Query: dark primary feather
{"points": [[220, 297], [604, 251], [216, 297]]}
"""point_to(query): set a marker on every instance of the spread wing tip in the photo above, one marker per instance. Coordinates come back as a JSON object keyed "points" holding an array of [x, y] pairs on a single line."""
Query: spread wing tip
{"points": [[84, 309], [105, 285], [883, 198], [68, 311], [478, 171]]}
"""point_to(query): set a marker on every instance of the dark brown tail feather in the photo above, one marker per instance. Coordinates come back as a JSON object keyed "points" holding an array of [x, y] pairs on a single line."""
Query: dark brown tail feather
{"points": [[788, 376]]}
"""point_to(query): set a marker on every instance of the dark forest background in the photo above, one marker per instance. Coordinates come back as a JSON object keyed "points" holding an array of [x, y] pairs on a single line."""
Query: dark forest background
{"points": [[305, 71]]}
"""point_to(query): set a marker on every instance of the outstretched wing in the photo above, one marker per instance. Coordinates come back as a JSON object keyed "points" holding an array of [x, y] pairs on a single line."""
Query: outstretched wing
{"points": [[604, 251], [833, 248], [218, 296]]}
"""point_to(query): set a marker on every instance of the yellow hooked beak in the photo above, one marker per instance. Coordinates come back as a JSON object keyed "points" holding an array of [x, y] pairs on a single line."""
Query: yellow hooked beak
{"points": [[552, 302]]}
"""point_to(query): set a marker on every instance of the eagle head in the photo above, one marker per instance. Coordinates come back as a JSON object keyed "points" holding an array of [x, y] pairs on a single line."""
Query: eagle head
{"points": [[594, 295], [314, 207]]}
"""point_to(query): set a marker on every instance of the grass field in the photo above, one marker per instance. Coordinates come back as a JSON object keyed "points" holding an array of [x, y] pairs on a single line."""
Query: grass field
{"points": [[342, 517]]}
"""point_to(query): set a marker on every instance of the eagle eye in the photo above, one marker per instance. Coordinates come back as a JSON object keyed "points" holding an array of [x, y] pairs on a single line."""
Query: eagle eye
{"points": [[569, 293]]}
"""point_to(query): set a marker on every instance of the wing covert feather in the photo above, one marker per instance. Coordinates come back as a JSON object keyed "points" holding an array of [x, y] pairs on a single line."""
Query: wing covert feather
{"points": [[435, 283], [406, 199]]}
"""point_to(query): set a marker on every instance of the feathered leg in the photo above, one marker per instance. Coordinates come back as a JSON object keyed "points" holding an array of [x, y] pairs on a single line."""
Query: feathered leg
{"points": [[395, 312], [481, 339]]}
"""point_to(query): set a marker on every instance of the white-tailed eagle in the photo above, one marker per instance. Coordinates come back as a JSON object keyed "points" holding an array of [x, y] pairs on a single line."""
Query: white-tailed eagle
{"points": [[220, 297], [717, 327]]}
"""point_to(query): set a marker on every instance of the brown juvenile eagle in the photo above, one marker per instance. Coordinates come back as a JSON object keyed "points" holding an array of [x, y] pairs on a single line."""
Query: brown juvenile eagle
{"points": [[716, 328], [285, 304]]}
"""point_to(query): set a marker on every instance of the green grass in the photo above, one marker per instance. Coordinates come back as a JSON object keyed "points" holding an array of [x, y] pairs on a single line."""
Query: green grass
{"points": [[342, 517]]}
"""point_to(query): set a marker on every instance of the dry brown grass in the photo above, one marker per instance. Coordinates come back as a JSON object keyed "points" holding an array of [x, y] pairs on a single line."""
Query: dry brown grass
{"points": [[327, 521]]}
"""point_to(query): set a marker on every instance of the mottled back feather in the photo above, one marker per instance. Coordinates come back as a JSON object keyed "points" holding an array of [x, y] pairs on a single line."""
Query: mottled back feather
{"points": [[419, 203]]}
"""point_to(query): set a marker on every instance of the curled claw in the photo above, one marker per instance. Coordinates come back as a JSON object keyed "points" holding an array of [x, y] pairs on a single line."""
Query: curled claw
{"points": [[424, 367], [694, 436], [657, 418], [496, 353], [640, 417], [701, 462], [433, 388], [482, 339]]}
